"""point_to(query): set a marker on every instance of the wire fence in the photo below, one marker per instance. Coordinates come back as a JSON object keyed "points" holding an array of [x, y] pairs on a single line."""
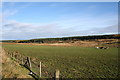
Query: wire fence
{"points": [[34, 65]]}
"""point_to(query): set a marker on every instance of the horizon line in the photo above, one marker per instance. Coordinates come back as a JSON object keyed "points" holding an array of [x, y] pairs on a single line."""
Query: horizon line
{"points": [[61, 37]]}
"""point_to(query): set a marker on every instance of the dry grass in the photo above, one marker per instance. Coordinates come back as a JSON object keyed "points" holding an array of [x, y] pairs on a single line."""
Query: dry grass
{"points": [[80, 43], [11, 69]]}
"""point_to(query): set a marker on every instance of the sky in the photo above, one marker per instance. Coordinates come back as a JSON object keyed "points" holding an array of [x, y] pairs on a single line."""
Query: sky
{"points": [[30, 20]]}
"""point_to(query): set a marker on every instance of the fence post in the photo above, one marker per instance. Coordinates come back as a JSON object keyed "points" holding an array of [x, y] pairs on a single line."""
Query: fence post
{"points": [[40, 68], [30, 63], [11, 55], [22, 61], [16, 58], [57, 73]]}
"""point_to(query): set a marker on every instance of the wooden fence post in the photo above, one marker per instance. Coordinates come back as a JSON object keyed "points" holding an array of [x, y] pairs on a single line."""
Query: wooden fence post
{"points": [[30, 63], [22, 61], [11, 55], [40, 68], [19, 57], [16, 58], [57, 73]]}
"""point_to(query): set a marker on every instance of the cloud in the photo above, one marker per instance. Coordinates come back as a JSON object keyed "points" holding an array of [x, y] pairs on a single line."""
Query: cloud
{"points": [[14, 29], [1, 18], [72, 24], [113, 29], [19, 30], [109, 29], [10, 11], [1, 4]]}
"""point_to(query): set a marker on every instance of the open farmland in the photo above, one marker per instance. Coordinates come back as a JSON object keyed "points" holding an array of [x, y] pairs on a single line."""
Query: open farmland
{"points": [[73, 62]]}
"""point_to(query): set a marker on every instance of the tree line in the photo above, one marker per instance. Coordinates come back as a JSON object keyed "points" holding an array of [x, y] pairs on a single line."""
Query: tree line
{"points": [[65, 39]]}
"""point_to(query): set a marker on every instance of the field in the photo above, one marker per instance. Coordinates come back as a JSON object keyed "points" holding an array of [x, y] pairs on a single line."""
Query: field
{"points": [[73, 61]]}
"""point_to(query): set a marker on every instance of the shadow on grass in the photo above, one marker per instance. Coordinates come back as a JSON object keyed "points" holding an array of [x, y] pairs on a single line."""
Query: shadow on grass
{"points": [[31, 73]]}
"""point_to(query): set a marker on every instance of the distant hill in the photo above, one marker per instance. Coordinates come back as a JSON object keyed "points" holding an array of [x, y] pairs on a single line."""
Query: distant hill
{"points": [[65, 39]]}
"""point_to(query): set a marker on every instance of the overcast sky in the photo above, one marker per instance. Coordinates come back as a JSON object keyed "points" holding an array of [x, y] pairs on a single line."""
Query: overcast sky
{"points": [[29, 20]]}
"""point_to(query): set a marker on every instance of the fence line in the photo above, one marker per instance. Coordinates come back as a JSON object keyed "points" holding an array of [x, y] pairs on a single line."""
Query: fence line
{"points": [[34, 65], [40, 69]]}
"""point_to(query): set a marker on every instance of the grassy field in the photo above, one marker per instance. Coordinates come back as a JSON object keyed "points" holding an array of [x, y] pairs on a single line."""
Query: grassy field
{"points": [[73, 62]]}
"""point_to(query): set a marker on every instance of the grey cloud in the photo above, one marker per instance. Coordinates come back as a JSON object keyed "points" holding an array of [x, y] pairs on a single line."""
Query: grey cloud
{"points": [[108, 29], [18, 30]]}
